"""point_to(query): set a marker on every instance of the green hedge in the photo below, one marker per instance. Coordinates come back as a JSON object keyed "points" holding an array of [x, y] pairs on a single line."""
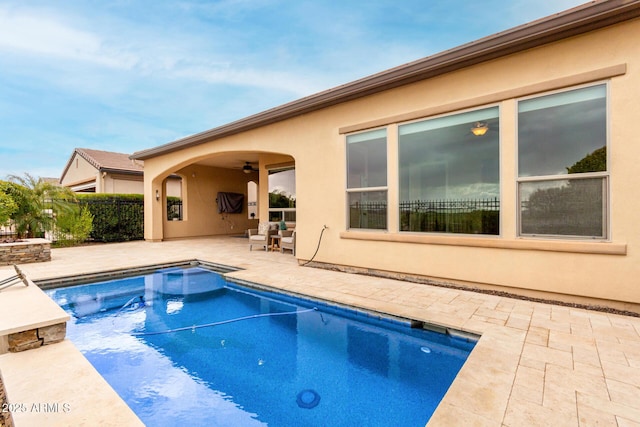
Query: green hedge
{"points": [[116, 217]]}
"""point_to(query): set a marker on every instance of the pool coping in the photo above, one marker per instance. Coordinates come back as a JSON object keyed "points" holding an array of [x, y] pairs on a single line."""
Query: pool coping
{"points": [[535, 363], [59, 281]]}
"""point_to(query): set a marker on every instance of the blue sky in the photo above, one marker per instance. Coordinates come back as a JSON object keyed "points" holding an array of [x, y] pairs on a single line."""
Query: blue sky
{"points": [[126, 75]]}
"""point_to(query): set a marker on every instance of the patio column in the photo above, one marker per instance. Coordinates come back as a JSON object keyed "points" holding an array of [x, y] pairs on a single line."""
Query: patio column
{"points": [[154, 200]]}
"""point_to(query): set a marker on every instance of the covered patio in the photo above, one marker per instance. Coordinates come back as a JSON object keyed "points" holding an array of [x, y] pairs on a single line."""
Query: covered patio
{"points": [[254, 178]]}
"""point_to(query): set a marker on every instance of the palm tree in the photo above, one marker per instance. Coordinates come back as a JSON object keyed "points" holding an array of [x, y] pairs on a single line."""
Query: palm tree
{"points": [[37, 202]]}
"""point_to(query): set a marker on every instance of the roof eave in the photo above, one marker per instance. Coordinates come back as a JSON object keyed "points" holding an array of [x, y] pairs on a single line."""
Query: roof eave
{"points": [[582, 19], [117, 171]]}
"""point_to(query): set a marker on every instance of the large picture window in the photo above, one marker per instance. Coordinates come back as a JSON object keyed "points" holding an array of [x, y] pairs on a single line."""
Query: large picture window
{"points": [[562, 164], [449, 174], [367, 179]]}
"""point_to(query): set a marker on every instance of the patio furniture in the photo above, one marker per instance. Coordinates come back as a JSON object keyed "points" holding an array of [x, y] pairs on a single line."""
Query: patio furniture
{"points": [[262, 235], [288, 241], [275, 242]]}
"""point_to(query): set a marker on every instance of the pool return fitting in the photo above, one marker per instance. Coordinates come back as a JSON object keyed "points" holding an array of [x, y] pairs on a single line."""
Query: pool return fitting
{"points": [[222, 322]]}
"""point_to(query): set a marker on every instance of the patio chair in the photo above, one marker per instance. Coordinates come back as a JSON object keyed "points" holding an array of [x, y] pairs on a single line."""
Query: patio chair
{"points": [[288, 241], [262, 235]]}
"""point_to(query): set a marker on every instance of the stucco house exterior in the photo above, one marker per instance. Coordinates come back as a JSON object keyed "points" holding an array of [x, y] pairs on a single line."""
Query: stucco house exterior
{"points": [[99, 171], [505, 164]]}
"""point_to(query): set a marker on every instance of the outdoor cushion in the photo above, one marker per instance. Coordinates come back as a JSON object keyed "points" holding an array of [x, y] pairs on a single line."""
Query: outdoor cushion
{"points": [[263, 228], [287, 239]]}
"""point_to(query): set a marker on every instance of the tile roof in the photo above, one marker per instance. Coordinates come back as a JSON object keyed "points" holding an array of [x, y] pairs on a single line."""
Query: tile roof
{"points": [[110, 160], [106, 161]]}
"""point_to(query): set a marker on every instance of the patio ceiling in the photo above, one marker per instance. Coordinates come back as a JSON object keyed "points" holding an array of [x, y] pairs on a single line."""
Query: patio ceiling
{"points": [[230, 160]]}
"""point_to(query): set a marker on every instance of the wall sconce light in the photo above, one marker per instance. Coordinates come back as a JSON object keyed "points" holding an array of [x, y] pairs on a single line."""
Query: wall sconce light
{"points": [[479, 129], [157, 195]]}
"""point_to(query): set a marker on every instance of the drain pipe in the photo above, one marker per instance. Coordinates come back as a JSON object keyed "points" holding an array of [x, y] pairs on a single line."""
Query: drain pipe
{"points": [[324, 227]]}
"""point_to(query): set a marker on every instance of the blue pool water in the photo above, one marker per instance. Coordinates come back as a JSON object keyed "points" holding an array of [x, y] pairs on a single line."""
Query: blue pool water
{"points": [[182, 345]]}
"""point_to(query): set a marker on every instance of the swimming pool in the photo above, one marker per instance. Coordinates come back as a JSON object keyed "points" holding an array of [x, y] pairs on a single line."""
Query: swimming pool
{"points": [[183, 345]]}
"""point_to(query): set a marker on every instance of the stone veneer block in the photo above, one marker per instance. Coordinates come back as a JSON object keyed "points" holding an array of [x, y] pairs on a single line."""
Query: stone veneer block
{"points": [[52, 334], [26, 340], [34, 338]]}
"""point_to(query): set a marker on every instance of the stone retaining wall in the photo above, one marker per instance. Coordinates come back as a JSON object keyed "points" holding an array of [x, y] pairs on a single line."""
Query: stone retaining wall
{"points": [[30, 250]]}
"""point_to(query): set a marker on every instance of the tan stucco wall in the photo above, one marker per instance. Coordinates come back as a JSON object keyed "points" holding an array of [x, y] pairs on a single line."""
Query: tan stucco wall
{"points": [[599, 270], [122, 184], [79, 171]]}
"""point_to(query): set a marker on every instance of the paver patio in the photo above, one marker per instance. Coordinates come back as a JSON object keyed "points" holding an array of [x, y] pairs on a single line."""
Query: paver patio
{"points": [[535, 364]]}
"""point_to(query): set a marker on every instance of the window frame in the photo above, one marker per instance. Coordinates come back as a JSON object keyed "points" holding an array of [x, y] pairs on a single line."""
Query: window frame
{"points": [[282, 211], [604, 175], [498, 106], [360, 190]]}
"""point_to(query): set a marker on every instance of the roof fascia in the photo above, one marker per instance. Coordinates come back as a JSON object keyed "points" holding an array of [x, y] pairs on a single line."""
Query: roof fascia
{"points": [[93, 162], [68, 165], [121, 171]]}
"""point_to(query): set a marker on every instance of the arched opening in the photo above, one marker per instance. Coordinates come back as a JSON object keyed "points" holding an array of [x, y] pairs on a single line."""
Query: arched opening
{"points": [[190, 192]]}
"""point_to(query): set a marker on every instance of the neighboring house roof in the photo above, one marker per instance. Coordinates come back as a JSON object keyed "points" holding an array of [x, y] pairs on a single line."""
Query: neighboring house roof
{"points": [[579, 20], [107, 161]]}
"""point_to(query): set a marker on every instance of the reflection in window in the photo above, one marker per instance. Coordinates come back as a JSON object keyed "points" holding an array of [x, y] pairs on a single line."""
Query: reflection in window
{"points": [[449, 174], [562, 163], [367, 179], [368, 209], [562, 207], [282, 195]]}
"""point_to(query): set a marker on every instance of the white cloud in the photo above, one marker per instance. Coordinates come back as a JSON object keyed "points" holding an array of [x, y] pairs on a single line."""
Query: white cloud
{"points": [[37, 33], [268, 79], [52, 42]]}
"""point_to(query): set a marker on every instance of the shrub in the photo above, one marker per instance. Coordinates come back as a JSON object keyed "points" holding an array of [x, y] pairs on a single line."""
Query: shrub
{"points": [[116, 217], [73, 227]]}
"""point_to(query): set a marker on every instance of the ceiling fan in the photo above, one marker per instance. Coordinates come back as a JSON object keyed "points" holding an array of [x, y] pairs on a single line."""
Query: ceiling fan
{"points": [[247, 168]]}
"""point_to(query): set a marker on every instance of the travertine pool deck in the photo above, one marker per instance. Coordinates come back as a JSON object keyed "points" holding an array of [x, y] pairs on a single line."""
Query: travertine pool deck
{"points": [[534, 365]]}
